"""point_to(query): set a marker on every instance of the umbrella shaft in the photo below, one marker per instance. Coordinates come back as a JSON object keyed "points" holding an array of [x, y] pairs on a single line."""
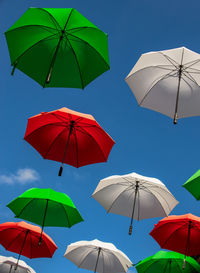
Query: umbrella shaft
{"points": [[188, 239], [136, 191], [97, 260], [70, 131], [177, 96], [45, 212], [22, 248], [53, 59], [10, 268]]}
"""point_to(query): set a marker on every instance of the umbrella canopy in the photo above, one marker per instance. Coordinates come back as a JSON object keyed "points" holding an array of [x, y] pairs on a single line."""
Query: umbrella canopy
{"points": [[8, 265], [179, 233], [98, 256], [23, 238], [57, 47], [68, 137], [193, 185], [167, 262], [46, 207], [168, 82], [135, 196]]}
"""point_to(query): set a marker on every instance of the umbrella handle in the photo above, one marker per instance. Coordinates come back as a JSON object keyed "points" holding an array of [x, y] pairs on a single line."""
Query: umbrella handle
{"points": [[175, 118], [130, 230], [183, 266], [60, 171]]}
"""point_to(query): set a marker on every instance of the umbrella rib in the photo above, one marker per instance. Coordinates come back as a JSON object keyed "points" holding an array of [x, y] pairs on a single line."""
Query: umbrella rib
{"points": [[79, 69], [190, 64], [117, 258], [117, 198], [159, 201], [76, 146], [85, 257], [41, 26], [45, 125], [53, 19], [190, 78], [84, 131], [18, 215], [80, 28], [151, 66], [31, 252], [120, 183], [176, 263], [89, 46], [163, 245], [59, 117], [169, 59], [42, 40], [7, 247], [156, 82], [65, 214], [52, 143]]}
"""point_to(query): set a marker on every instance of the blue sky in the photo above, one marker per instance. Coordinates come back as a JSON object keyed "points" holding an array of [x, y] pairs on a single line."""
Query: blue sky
{"points": [[146, 142]]}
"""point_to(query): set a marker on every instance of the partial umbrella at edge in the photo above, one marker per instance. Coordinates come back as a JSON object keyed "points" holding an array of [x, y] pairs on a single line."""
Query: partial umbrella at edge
{"points": [[8, 265], [68, 137], [167, 262], [180, 233], [193, 185], [23, 238]]}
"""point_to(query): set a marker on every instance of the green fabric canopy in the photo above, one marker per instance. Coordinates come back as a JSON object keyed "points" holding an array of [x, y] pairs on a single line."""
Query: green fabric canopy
{"points": [[193, 185], [46, 207], [57, 47], [168, 262]]}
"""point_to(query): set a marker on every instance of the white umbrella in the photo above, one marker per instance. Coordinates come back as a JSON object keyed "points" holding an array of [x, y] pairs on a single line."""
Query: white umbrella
{"points": [[168, 82], [10, 264], [98, 256], [135, 196]]}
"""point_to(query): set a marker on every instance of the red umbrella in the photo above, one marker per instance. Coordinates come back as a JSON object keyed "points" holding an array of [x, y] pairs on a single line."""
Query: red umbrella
{"points": [[179, 233], [68, 137], [23, 238]]}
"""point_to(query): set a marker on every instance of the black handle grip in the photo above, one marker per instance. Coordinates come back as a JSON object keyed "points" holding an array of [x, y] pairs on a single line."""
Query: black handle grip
{"points": [[60, 171]]}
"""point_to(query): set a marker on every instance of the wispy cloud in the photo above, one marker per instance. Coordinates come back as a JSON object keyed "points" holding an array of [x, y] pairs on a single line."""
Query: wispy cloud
{"points": [[22, 176]]}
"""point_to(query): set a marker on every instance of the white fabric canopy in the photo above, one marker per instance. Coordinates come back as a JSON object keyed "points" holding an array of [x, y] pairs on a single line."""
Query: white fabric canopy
{"points": [[8, 265], [135, 196], [168, 82], [97, 256]]}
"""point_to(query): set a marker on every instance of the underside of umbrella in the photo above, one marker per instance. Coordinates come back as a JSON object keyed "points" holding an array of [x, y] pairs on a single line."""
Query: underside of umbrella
{"points": [[134, 196], [58, 47], [168, 82], [97, 256]]}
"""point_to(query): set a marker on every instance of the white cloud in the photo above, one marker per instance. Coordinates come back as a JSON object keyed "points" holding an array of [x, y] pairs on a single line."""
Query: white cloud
{"points": [[22, 176]]}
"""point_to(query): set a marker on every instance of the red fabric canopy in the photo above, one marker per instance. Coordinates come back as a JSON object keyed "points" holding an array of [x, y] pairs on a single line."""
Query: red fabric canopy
{"points": [[69, 137], [23, 238], [179, 233]]}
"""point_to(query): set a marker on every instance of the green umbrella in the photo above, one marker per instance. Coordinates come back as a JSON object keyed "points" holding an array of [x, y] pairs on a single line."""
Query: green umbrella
{"points": [[167, 262], [58, 47], [45, 207], [193, 185]]}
